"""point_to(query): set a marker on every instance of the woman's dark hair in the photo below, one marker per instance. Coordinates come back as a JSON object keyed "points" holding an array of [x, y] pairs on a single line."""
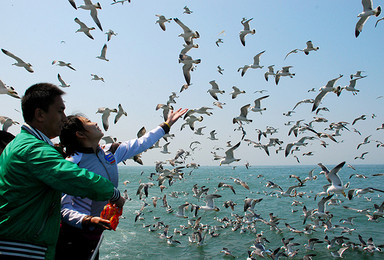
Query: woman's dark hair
{"points": [[40, 95], [5, 138], [68, 137]]}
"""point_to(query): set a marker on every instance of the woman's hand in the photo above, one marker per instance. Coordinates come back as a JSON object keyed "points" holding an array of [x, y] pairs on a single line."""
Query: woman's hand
{"points": [[173, 116]]}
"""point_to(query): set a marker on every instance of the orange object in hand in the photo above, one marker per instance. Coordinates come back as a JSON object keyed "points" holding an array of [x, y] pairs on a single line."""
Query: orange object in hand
{"points": [[112, 213]]}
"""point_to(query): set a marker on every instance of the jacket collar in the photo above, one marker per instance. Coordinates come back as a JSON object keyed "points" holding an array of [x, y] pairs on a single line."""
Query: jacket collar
{"points": [[36, 133]]}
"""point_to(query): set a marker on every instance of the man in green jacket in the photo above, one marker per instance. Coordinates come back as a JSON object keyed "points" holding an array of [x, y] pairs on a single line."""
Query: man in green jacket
{"points": [[33, 176]]}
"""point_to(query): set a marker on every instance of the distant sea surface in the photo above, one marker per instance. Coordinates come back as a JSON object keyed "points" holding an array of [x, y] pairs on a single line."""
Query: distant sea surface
{"points": [[132, 240]]}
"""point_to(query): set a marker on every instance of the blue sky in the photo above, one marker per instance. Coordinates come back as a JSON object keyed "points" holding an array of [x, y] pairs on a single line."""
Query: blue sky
{"points": [[144, 70]]}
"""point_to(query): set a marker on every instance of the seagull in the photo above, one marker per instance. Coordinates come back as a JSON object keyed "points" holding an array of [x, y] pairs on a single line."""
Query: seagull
{"points": [[103, 53], [351, 86], [106, 112], [212, 135], [62, 83], [219, 41], [188, 66], [298, 143], [362, 117], [243, 115], [325, 90], [320, 211], [236, 91], [4, 89], [246, 30], [166, 109], [187, 10], [366, 141], [95, 77], [165, 148], [220, 70], [72, 2], [257, 107], [283, 72], [245, 185], [191, 121], [210, 204], [292, 51], [188, 34], [367, 12], [310, 48], [7, 122], [63, 64], [269, 72], [215, 90], [308, 101], [218, 104], [83, 28], [120, 112], [120, 1], [109, 34], [229, 157], [181, 210], [162, 20], [339, 253], [225, 185], [357, 74], [199, 130], [19, 62], [361, 156], [382, 18], [88, 5], [255, 65], [332, 177]]}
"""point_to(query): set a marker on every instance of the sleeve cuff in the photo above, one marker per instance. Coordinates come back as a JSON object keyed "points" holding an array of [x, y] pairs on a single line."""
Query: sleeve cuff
{"points": [[116, 195], [165, 127]]}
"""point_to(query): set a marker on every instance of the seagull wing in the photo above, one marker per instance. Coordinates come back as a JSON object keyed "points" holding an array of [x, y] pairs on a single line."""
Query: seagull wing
{"points": [[183, 26], [12, 56], [95, 18]]}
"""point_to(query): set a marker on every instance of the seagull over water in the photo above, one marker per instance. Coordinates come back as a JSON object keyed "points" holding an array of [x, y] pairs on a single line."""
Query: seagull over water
{"points": [[229, 157], [367, 12], [19, 62], [246, 30]]}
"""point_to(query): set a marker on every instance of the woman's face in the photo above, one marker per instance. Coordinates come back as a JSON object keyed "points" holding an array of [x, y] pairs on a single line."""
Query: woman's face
{"points": [[92, 130]]}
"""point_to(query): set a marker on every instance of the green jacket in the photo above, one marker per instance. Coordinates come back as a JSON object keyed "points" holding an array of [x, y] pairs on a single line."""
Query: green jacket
{"points": [[33, 176]]}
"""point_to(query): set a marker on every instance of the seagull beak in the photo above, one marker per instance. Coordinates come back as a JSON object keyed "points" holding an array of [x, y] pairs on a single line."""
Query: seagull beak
{"points": [[343, 194]]}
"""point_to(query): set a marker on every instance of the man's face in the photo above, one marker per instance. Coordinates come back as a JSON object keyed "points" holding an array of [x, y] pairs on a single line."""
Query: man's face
{"points": [[54, 118]]}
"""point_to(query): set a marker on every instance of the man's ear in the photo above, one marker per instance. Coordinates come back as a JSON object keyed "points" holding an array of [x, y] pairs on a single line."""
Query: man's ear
{"points": [[39, 115]]}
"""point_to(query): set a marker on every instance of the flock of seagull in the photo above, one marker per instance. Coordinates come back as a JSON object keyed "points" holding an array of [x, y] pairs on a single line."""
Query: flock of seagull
{"points": [[248, 218]]}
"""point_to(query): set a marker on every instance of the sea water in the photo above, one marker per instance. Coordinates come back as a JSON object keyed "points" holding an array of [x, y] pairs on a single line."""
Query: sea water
{"points": [[132, 240]]}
